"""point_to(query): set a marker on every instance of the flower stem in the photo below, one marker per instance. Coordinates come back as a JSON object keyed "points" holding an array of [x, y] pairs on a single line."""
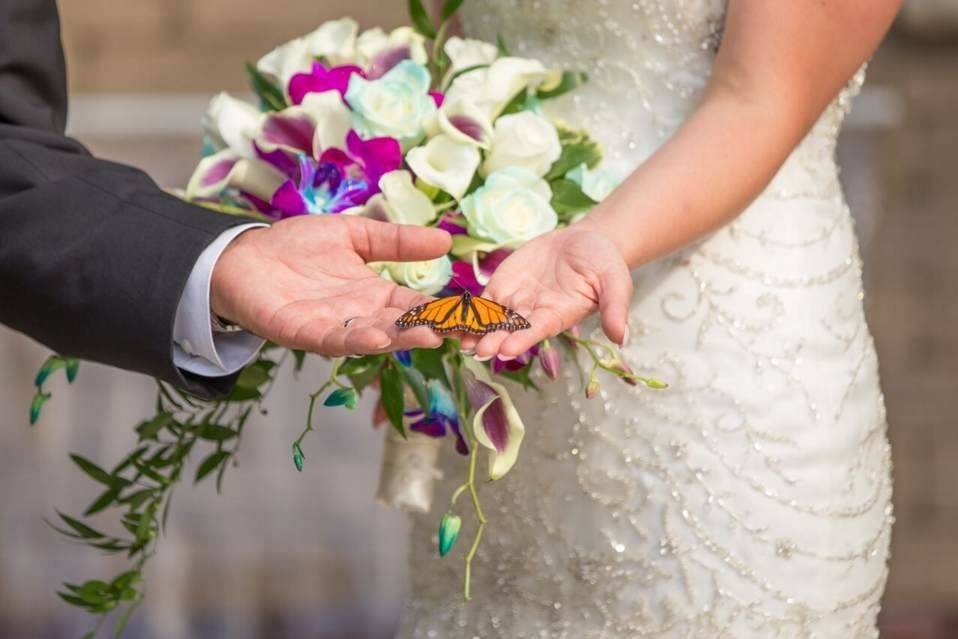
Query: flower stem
{"points": [[471, 484]]}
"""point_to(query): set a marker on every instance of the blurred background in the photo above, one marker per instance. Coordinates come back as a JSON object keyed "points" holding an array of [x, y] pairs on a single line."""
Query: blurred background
{"points": [[281, 554]]}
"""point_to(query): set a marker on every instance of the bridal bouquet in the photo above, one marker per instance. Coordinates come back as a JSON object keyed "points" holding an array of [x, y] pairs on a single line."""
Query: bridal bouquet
{"points": [[407, 126]]}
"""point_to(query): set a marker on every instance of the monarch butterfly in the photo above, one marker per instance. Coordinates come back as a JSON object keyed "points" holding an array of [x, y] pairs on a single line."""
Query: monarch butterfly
{"points": [[463, 314]]}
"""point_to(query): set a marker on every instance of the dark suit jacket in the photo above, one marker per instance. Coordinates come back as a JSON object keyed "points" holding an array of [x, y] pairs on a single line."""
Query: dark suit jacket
{"points": [[93, 255]]}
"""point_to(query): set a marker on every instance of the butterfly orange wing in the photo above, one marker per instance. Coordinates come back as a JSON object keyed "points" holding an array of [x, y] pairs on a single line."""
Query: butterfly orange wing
{"points": [[430, 313], [454, 315]]}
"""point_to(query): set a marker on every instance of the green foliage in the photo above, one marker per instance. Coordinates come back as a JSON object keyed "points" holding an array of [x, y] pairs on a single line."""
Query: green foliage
{"points": [[576, 151], [270, 96], [342, 397], [570, 81], [568, 199], [139, 488], [421, 20], [391, 387], [502, 46], [449, 9]]}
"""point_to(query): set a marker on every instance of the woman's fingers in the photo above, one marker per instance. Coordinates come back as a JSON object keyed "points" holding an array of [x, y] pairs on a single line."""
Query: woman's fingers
{"points": [[545, 322]]}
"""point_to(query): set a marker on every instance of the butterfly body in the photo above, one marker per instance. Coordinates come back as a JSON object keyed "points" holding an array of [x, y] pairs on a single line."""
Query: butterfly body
{"points": [[464, 313]]}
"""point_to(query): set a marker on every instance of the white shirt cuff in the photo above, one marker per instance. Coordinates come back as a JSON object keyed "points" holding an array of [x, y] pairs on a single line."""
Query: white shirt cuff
{"points": [[196, 349]]}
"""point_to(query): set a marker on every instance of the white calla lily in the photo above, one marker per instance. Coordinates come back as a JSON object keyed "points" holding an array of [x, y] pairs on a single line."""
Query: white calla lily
{"points": [[335, 41], [464, 53], [377, 51], [465, 122], [332, 118], [496, 425], [403, 202], [445, 163], [227, 169], [231, 123], [494, 87]]}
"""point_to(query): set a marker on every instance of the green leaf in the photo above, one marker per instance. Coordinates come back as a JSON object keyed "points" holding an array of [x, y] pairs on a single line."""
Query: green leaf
{"points": [[145, 525], [501, 45], [81, 529], [270, 96], [450, 8], [150, 429], [420, 19], [299, 357], [73, 600], [126, 580], [429, 362], [341, 397], [94, 471], [570, 80], [94, 592], [584, 151], [568, 199], [103, 501], [299, 458], [209, 464], [37, 405], [73, 367], [390, 384], [253, 376], [216, 433], [123, 619], [417, 383], [52, 363], [240, 394], [137, 499], [362, 371]]}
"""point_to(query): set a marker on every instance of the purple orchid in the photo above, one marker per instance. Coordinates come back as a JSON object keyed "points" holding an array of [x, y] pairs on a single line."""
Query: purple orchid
{"points": [[336, 181], [441, 417], [321, 79], [464, 274]]}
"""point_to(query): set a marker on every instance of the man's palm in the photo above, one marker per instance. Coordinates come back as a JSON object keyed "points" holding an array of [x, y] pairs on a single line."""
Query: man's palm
{"points": [[301, 281]]}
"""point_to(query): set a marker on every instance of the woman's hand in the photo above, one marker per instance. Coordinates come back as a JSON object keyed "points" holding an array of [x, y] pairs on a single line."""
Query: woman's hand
{"points": [[555, 281]]}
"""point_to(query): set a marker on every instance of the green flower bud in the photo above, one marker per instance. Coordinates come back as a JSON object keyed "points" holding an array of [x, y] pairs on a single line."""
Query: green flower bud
{"points": [[449, 529]]}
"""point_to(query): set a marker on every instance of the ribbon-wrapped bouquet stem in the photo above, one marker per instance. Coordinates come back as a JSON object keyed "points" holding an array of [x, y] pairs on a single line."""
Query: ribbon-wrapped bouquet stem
{"points": [[408, 126]]}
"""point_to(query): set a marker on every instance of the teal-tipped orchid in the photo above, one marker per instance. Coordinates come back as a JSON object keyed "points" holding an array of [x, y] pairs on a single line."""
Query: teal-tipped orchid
{"points": [[449, 529], [342, 397], [496, 424], [37, 405]]}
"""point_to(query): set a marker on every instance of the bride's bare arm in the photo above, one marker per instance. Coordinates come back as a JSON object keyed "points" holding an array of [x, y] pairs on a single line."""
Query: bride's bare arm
{"points": [[779, 66]]}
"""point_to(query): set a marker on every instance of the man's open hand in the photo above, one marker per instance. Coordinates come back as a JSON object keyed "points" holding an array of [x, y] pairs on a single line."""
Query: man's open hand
{"points": [[300, 282]]}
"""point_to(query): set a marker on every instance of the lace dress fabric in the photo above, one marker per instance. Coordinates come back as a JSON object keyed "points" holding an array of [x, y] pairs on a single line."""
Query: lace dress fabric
{"points": [[752, 499]]}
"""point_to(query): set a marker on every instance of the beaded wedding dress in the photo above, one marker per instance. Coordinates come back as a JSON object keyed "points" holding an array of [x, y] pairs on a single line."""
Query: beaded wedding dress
{"points": [[752, 498]]}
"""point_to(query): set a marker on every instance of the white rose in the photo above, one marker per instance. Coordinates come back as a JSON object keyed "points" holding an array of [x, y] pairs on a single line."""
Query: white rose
{"points": [[465, 53], [445, 163], [374, 47], [523, 139], [511, 208], [395, 105], [428, 277], [231, 124], [334, 40]]}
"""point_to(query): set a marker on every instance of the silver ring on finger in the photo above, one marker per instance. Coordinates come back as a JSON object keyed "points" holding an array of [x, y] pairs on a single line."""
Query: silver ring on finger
{"points": [[348, 321]]}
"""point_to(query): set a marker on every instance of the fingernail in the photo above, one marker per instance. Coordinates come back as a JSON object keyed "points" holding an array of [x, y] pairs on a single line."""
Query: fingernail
{"points": [[482, 358], [468, 351], [385, 344], [507, 358], [625, 336]]}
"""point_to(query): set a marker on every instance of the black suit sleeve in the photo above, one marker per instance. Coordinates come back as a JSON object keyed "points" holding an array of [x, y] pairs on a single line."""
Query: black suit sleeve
{"points": [[93, 255]]}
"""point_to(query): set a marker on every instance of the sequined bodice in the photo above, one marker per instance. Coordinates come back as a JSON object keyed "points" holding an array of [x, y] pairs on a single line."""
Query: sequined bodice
{"points": [[750, 500]]}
